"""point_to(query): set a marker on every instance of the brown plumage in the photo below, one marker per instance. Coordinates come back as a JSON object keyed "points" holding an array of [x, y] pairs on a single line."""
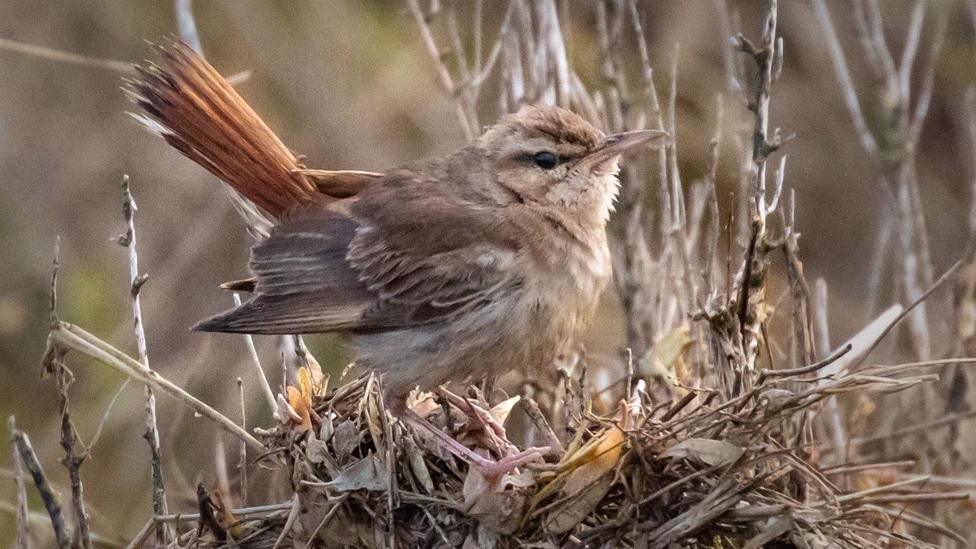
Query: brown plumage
{"points": [[447, 269]]}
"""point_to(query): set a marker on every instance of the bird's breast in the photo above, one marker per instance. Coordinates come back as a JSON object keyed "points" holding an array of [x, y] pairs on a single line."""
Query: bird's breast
{"points": [[566, 291]]}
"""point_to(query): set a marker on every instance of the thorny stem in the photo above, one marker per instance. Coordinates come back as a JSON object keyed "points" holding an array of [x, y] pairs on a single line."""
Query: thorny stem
{"points": [[71, 460], [136, 281], [53, 363], [752, 276], [803, 343]]}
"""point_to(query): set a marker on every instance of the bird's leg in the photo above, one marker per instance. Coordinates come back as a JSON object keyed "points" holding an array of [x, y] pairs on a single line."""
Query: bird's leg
{"points": [[490, 468]]}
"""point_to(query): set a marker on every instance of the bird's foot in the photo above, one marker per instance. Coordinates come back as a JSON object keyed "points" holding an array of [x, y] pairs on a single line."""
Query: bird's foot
{"points": [[480, 417], [496, 469]]}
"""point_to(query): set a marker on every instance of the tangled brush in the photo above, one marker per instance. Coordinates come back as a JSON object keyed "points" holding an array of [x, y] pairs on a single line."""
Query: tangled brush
{"points": [[707, 469]]}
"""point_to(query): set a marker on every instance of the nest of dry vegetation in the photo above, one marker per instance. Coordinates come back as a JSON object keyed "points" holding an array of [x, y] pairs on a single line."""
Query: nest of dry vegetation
{"points": [[704, 469]]}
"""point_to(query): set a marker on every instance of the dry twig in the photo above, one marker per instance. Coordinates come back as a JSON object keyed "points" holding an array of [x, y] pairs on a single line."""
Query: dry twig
{"points": [[74, 337], [136, 281], [23, 539], [52, 502]]}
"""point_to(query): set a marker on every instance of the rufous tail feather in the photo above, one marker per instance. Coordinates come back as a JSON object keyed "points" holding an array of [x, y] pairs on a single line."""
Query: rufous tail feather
{"points": [[187, 102]]}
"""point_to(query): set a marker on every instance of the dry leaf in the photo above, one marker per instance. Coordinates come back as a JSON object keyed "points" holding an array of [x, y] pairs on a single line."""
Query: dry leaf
{"points": [[327, 428], [374, 416], [285, 413], [606, 448], [225, 517], [861, 342], [365, 474], [345, 440], [482, 538], [865, 406], [319, 382], [418, 466], [475, 431], [776, 399], [300, 399], [660, 359], [704, 450], [431, 445], [567, 516], [499, 511], [604, 458], [342, 530], [501, 411], [586, 485], [316, 450], [774, 528], [476, 484], [423, 403]]}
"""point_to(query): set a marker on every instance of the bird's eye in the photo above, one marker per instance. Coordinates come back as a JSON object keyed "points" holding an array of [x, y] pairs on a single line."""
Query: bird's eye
{"points": [[545, 160]]}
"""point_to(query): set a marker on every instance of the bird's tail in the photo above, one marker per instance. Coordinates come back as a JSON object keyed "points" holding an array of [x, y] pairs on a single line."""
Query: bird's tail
{"points": [[186, 101]]}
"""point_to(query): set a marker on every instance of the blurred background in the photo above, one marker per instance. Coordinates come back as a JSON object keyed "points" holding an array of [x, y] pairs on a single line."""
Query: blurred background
{"points": [[349, 85]]}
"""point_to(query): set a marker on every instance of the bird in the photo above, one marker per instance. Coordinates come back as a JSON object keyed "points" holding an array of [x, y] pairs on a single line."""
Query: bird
{"points": [[448, 269]]}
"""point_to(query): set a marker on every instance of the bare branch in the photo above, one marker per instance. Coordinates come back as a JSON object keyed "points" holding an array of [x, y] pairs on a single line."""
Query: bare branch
{"points": [[53, 363], [187, 25], [105, 415], [912, 38], [881, 46], [876, 62], [72, 461], [442, 72], [66, 57], [256, 362], [843, 75], [928, 76], [23, 514], [428, 38], [136, 282], [242, 464], [802, 370], [751, 279], [879, 260], [51, 499]]}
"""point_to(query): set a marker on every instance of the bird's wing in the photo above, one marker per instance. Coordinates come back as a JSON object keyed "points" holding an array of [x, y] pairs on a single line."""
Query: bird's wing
{"points": [[303, 283], [416, 286], [324, 271]]}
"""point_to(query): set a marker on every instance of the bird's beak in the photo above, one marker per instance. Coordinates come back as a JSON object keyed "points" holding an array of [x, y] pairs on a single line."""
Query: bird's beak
{"points": [[619, 143]]}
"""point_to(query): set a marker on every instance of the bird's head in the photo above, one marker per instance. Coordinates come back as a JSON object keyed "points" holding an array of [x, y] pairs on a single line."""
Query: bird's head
{"points": [[553, 158]]}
